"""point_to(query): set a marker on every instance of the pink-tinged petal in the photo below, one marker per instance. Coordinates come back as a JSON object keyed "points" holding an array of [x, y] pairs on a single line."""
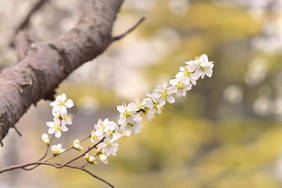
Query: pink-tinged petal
{"points": [[58, 134], [178, 93], [63, 110], [64, 128], [131, 106], [149, 104], [193, 81], [50, 124], [137, 118], [185, 80], [174, 82], [51, 130], [162, 102], [179, 75], [63, 97], [121, 109], [187, 87], [203, 58], [171, 90], [161, 88], [69, 103], [183, 93], [208, 72], [54, 103], [152, 111], [156, 95], [122, 120], [170, 99]]}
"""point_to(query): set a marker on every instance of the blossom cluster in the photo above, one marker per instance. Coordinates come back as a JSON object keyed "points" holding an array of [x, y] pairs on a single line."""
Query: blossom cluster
{"points": [[61, 118], [106, 133]]}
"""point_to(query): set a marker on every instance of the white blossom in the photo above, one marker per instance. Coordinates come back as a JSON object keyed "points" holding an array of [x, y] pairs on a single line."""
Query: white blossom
{"points": [[108, 147], [164, 94], [205, 67], [76, 145], [155, 105], [103, 158], [62, 103], [139, 104], [126, 111], [56, 127], [102, 129], [132, 125], [186, 72], [90, 159], [45, 139], [182, 85], [57, 149]]}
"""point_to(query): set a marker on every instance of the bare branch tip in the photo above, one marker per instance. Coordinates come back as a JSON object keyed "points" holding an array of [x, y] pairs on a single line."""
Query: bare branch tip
{"points": [[129, 30], [16, 129]]}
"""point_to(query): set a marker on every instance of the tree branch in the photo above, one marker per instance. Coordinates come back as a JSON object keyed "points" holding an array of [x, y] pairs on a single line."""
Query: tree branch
{"points": [[25, 21], [48, 64], [56, 165]]}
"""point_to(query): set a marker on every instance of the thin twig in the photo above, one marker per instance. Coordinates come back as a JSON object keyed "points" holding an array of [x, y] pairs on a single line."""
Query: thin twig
{"points": [[47, 149], [17, 130], [56, 165], [85, 164], [66, 150], [129, 30], [81, 155]]}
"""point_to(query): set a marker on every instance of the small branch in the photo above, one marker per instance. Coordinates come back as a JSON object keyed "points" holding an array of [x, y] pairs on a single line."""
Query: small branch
{"points": [[19, 133], [85, 164], [81, 155], [47, 149], [56, 165], [24, 23], [93, 175], [129, 30]]}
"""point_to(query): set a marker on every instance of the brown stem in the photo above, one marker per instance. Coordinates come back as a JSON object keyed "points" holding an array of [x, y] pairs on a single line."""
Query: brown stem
{"points": [[56, 165], [129, 30]]}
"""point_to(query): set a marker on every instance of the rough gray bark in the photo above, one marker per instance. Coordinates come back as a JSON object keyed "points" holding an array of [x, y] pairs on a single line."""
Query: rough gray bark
{"points": [[48, 64]]}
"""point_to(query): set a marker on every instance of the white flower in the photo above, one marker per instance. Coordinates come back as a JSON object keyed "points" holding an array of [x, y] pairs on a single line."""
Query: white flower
{"points": [[56, 127], [182, 85], [155, 105], [126, 111], [186, 72], [103, 158], [132, 125], [164, 94], [205, 67], [45, 139], [62, 103], [76, 145], [90, 159], [139, 104], [192, 65], [66, 118], [57, 149], [108, 147], [94, 138]]}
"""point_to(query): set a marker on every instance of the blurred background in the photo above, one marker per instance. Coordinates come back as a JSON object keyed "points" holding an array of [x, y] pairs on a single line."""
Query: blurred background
{"points": [[226, 133]]}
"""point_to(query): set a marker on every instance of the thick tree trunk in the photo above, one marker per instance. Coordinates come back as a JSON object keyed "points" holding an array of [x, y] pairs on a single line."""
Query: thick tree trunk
{"points": [[48, 64]]}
